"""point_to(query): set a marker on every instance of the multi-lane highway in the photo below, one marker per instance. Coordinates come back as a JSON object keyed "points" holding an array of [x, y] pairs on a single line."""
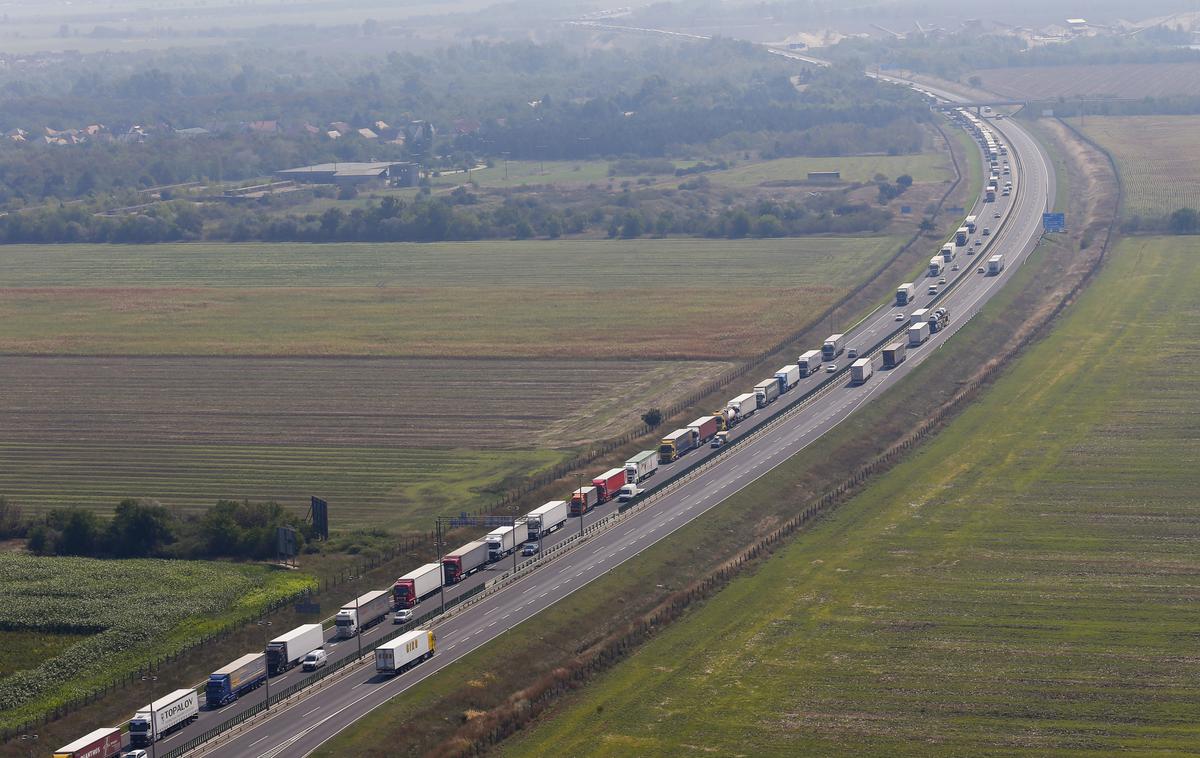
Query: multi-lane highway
{"points": [[301, 724]]}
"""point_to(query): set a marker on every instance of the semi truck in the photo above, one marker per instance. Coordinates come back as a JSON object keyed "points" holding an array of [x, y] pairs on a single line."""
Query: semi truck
{"points": [[788, 377], [995, 265], [960, 236], [705, 428], [861, 370], [970, 224], [407, 650], [990, 195], [918, 316], [584, 499], [101, 743], [417, 585], [545, 519], [810, 361], [153, 722], [904, 294], [676, 444], [639, 468], [766, 392], [948, 253], [503, 541], [938, 320], [235, 679], [743, 406], [917, 335], [936, 266], [833, 346], [287, 650], [464, 561], [368, 609], [610, 482], [893, 354]]}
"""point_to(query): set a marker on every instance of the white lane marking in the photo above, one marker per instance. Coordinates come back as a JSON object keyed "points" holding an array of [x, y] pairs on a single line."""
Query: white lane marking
{"points": [[260, 739], [314, 710]]}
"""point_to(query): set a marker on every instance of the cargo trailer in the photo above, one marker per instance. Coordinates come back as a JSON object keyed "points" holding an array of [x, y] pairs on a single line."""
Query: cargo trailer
{"points": [[995, 265], [918, 316], [368, 609], [504, 540], [235, 679], [960, 236], [286, 650], [417, 585], [547, 518], [970, 224], [398, 655], [766, 392], [101, 743], [584, 499], [893, 354], [641, 466], [788, 377], [743, 406], [904, 294], [917, 335], [860, 371], [464, 561], [705, 428], [833, 346], [611, 481], [936, 266], [947, 252], [676, 444], [154, 721]]}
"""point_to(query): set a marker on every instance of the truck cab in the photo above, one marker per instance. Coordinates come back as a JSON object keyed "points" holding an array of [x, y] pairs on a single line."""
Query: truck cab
{"points": [[721, 440], [630, 491]]}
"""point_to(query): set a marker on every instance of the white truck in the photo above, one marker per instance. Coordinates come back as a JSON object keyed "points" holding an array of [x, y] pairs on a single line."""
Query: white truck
{"points": [[154, 721], [641, 466], [919, 316], [504, 540], [948, 252], [960, 236], [743, 406], [810, 362], [628, 492], [368, 609], [766, 392], [417, 585], [833, 346], [545, 519], [995, 265], [788, 376], [918, 334], [409, 649], [936, 266], [904, 294], [861, 370], [286, 650]]}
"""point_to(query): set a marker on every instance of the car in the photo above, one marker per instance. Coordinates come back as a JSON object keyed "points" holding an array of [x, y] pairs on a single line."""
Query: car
{"points": [[901, 317], [954, 267], [996, 214], [986, 231], [530, 548], [138, 753], [932, 289], [978, 243], [942, 280], [979, 270], [851, 353], [318, 658], [402, 616], [831, 368]]}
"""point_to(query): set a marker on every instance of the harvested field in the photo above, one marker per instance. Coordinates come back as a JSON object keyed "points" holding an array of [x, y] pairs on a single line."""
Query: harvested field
{"points": [[1123, 80], [1025, 584], [1158, 158], [923, 167]]}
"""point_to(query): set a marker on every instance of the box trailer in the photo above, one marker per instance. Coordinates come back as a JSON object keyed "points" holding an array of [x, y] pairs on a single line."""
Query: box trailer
{"points": [[610, 482], [833, 346], [584, 499], [287, 650], [464, 561], [154, 721], [368, 609], [861, 370], [893, 354], [545, 519], [101, 743], [960, 236], [990, 195], [676, 444], [995, 265], [936, 266], [970, 224], [905, 293], [766, 391], [235, 679], [417, 585], [503, 541], [947, 252], [705, 428], [810, 362], [641, 467], [918, 334], [788, 376], [743, 406], [409, 649], [918, 316]]}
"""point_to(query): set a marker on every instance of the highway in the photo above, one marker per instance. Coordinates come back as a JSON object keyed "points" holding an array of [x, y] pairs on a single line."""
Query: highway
{"points": [[299, 726]]}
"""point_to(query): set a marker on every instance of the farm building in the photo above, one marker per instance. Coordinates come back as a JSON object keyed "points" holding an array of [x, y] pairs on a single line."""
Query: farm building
{"points": [[824, 176], [402, 173]]}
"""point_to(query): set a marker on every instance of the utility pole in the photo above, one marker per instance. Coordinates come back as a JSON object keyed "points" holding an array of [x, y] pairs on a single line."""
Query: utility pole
{"points": [[153, 721], [266, 626]]}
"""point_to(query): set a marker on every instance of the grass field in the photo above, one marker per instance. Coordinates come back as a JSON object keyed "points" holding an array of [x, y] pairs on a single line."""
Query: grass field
{"points": [[923, 167], [1025, 584], [1124, 80], [126, 619], [1158, 158], [21, 650]]}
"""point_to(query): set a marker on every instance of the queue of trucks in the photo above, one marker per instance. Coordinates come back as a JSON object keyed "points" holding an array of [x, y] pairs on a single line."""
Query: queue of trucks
{"points": [[163, 716]]}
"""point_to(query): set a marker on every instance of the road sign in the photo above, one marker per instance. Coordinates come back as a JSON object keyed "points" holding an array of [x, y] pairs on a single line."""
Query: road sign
{"points": [[1054, 222], [320, 518]]}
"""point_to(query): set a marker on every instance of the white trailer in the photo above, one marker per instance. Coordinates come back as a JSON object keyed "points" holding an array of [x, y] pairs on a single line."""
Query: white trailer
{"points": [[154, 721], [936, 266], [407, 650], [545, 519], [788, 376], [641, 466], [995, 265], [904, 294], [504, 540], [766, 391], [833, 346], [919, 316], [947, 253], [417, 585], [286, 650], [810, 362], [743, 406], [861, 370], [363, 612], [917, 335]]}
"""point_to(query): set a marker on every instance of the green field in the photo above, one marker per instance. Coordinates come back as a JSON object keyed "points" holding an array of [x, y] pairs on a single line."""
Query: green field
{"points": [[122, 619], [923, 167], [1025, 584], [1158, 158]]}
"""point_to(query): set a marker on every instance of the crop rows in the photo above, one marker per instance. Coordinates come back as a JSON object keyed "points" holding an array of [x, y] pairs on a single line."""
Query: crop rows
{"points": [[1157, 159], [1123, 80]]}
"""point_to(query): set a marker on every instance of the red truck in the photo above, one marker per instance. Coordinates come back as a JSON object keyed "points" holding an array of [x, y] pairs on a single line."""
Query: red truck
{"points": [[102, 743], [609, 484], [706, 427]]}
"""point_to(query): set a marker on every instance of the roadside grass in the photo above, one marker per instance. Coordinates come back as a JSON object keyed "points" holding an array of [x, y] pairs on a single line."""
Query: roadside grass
{"points": [[21, 650], [1023, 584], [127, 613], [1156, 157]]}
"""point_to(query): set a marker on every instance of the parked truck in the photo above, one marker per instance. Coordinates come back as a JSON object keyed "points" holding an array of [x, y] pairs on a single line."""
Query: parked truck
{"points": [[995, 265], [409, 649], [833, 346], [810, 360], [743, 406], [503, 541], [639, 468], [547, 518], [788, 376], [610, 482], [235, 679], [676, 444], [948, 252], [287, 650], [893, 354], [936, 266], [154, 721], [584, 499], [918, 334], [101, 743], [861, 370], [417, 585], [368, 609], [960, 236], [766, 392], [464, 561]]}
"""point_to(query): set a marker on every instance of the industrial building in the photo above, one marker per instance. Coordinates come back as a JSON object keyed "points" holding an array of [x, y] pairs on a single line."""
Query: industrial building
{"points": [[397, 173]]}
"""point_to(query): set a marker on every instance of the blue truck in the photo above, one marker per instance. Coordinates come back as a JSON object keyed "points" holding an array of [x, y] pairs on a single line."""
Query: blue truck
{"points": [[233, 680]]}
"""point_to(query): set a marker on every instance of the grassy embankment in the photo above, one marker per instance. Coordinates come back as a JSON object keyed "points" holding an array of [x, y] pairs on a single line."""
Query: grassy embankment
{"points": [[1026, 583]]}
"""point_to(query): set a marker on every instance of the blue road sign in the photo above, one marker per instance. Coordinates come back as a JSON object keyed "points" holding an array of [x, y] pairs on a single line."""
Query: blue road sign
{"points": [[1054, 222]]}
